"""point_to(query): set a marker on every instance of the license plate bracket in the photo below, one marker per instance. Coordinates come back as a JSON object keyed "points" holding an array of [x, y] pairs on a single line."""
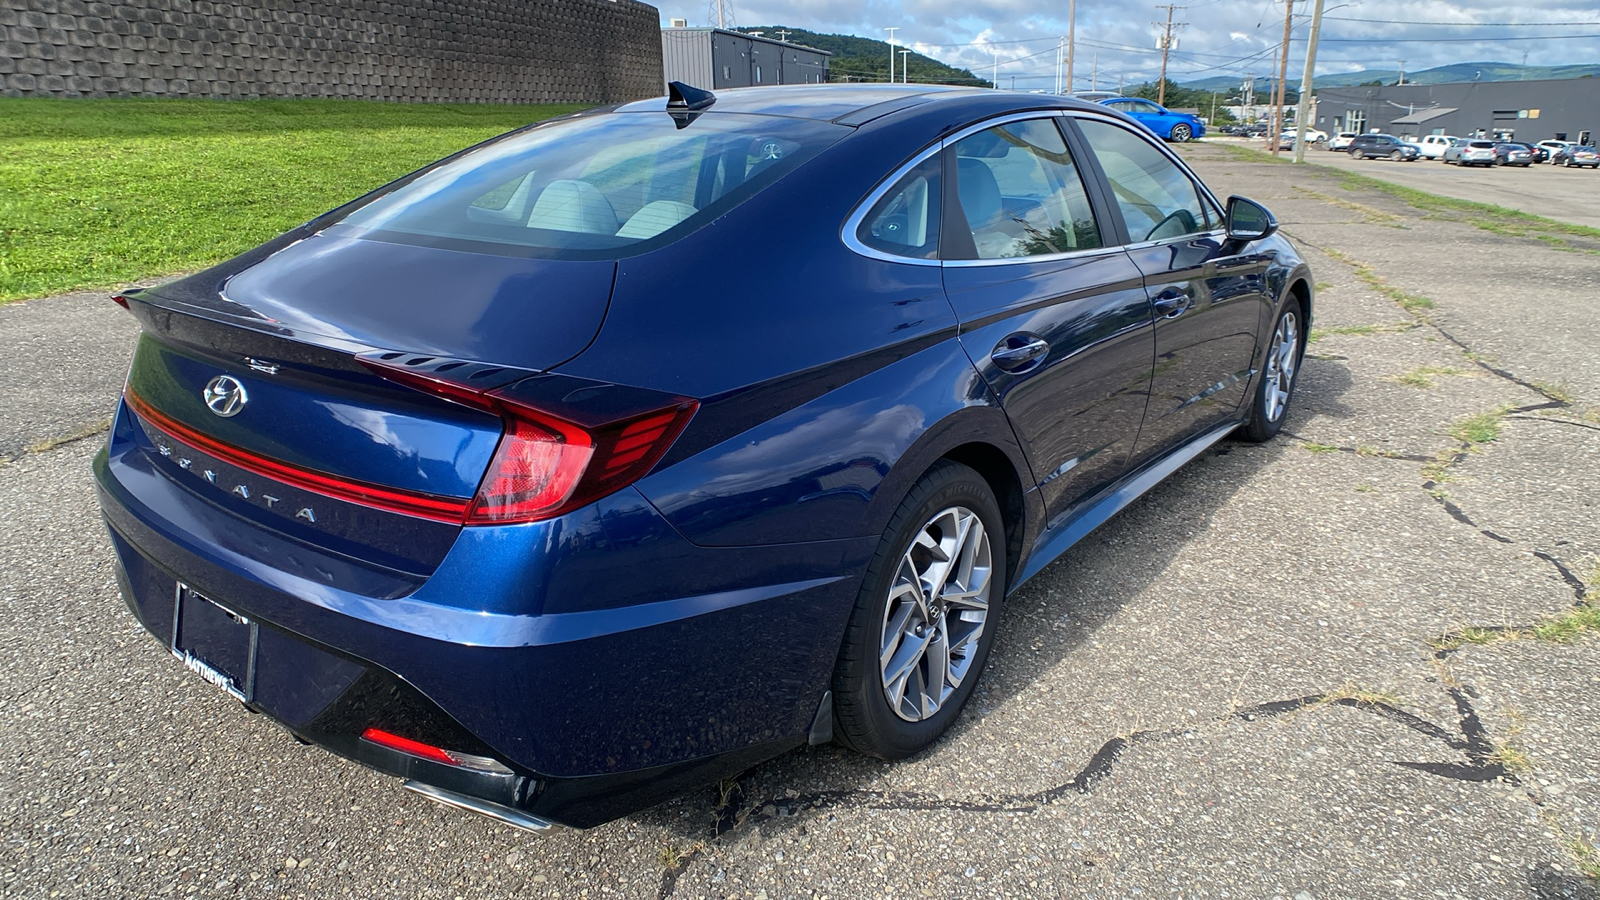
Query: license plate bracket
{"points": [[215, 642]]}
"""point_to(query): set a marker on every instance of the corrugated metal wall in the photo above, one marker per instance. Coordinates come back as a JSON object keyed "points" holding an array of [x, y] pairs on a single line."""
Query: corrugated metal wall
{"points": [[714, 59], [686, 57]]}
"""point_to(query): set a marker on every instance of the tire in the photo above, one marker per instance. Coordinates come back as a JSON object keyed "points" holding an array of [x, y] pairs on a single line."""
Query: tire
{"points": [[1180, 133], [951, 508], [1396, 155], [1357, 154], [1270, 405]]}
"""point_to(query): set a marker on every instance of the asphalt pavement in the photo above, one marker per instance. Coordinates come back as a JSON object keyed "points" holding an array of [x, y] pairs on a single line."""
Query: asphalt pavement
{"points": [[1262, 680]]}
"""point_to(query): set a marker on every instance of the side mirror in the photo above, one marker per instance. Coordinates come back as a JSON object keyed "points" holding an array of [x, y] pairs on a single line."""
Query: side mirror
{"points": [[1249, 220]]}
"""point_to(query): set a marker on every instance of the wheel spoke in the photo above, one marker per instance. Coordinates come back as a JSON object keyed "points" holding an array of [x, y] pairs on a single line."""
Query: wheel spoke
{"points": [[938, 658], [907, 658]]}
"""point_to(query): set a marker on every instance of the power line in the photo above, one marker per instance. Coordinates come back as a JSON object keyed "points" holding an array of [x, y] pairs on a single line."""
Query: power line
{"points": [[1493, 40], [1459, 24]]}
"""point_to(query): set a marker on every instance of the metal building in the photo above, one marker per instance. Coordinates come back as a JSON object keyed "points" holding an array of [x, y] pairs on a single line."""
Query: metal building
{"points": [[1563, 109], [712, 58]]}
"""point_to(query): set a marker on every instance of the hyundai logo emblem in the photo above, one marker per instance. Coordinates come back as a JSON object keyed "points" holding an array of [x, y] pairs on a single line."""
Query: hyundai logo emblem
{"points": [[225, 396]]}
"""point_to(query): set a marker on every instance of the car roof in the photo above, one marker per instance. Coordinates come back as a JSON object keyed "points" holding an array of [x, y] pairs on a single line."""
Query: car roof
{"points": [[824, 102], [856, 104]]}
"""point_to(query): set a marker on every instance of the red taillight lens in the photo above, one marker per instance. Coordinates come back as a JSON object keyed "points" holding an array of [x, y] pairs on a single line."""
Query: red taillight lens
{"points": [[120, 301], [537, 466], [546, 465]]}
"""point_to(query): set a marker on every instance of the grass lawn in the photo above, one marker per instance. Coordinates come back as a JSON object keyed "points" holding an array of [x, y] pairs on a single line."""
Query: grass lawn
{"points": [[97, 193]]}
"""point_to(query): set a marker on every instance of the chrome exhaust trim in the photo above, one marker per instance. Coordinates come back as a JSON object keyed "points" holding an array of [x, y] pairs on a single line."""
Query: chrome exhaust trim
{"points": [[512, 817]]}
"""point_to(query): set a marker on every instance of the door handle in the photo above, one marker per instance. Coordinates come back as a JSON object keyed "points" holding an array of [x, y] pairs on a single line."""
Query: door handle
{"points": [[1020, 352], [1173, 302]]}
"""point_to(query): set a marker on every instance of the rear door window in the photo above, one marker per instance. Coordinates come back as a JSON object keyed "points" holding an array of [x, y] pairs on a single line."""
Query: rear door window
{"points": [[1022, 193]]}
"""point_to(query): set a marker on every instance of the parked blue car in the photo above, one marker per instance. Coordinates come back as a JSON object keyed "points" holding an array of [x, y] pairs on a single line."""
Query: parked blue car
{"points": [[625, 451], [1164, 123]]}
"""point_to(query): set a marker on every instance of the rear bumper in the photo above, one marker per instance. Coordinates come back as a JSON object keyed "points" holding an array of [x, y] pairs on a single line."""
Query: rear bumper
{"points": [[597, 709]]}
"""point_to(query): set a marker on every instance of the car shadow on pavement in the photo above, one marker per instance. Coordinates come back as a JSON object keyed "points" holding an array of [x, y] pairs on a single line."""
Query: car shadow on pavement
{"points": [[776, 792]]}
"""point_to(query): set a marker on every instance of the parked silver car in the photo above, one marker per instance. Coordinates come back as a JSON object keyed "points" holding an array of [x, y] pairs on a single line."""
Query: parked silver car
{"points": [[1471, 153]]}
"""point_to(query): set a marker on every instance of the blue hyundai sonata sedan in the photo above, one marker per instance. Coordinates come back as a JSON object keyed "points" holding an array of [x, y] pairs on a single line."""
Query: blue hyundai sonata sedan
{"points": [[625, 451]]}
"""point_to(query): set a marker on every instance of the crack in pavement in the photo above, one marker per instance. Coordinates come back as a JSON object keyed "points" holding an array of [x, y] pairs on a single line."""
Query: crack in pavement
{"points": [[1472, 740]]}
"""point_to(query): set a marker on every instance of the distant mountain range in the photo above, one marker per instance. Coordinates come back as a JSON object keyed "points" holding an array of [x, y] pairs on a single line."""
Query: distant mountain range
{"points": [[1455, 72]]}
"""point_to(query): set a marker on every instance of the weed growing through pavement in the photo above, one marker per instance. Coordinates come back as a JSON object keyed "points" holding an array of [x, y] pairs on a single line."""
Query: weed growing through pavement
{"points": [[1427, 376], [1481, 428], [1416, 304]]}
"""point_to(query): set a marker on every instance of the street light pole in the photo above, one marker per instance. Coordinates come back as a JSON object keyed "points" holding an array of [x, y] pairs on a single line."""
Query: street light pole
{"points": [[1072, 41], [1283, 76], [891, 51], [903, 79], [1303, 110]]}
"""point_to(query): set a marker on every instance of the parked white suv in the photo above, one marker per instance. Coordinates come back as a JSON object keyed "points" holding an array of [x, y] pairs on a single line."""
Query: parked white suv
{"points": [[1341, 141], [1434, 145], [1554, 146]]}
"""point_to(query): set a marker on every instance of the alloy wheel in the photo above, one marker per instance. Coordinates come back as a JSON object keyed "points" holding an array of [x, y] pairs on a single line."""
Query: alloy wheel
{"points": [[938, 607], [1281, 365]]}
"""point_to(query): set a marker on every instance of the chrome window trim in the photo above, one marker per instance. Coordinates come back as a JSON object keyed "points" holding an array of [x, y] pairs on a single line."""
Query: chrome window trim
{"points": [[852, 223], [1046, 258], [1196, 236]]}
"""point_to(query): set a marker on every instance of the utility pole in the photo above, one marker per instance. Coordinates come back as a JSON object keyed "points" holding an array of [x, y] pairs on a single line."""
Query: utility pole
{"points": [[1060, 49], [1094, 74], [1303, 112], [994, 74], [1072, 40], [903, 70], [1283, 75], [1166, 47], [891, 51], [1402, 73]]}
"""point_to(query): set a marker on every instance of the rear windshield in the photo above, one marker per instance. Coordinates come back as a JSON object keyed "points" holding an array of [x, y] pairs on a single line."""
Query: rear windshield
{"points": [[1482, 145], [594, 187]]}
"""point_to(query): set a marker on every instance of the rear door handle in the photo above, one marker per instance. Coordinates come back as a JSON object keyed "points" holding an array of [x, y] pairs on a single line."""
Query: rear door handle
{"points": [[1173, 302], [1020, 352]]}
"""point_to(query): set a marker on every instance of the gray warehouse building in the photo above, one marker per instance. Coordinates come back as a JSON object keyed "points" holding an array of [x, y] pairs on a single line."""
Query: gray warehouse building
{"points": [[1566, 110], [713, 59]]}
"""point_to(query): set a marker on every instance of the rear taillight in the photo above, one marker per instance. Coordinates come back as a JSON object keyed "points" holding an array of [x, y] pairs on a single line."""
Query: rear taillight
{"points": [[120, 300], [547, 465]]}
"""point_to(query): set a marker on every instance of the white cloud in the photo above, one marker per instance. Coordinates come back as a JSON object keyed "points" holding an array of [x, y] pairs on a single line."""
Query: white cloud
{"points": [[1220, 37]]}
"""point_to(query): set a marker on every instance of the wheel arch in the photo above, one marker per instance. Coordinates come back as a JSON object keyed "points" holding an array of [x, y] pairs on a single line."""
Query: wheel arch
{"points": [[979, 437]]}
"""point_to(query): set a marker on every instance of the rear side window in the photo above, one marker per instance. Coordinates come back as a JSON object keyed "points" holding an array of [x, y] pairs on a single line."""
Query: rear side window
{"points": [[1022, 193], [1158, 201], [905, 221], [595, 187]]}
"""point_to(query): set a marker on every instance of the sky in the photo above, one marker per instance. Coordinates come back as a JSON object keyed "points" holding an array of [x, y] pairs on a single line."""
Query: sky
{"points": [[1219, 37]]}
